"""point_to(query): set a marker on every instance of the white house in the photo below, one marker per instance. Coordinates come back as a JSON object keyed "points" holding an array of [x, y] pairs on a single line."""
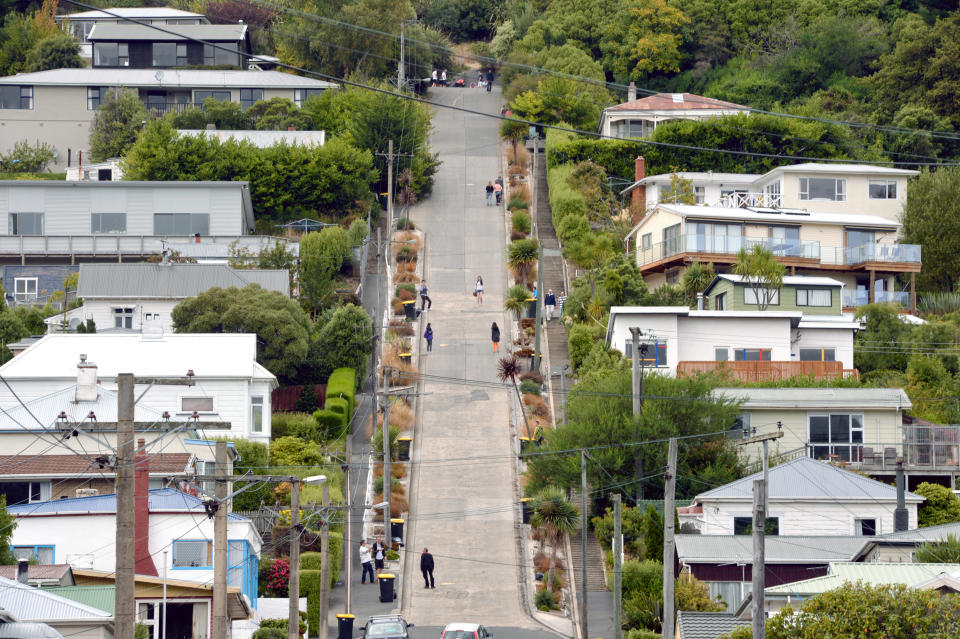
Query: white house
{"points": [[638, 118], [69, 618], [80, 24], [228, 383], [141, 296], [806, 497]]}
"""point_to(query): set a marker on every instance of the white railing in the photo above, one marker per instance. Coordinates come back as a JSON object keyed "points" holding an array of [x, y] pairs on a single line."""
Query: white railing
{"points": [[747, 200], [210, 246]]}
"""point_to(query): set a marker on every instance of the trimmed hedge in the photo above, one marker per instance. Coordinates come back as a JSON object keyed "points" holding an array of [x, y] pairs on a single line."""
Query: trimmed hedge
{"points": [[311, 560], [339, 406], [310, 587], [271, 633], [329, 423], [573, 228], [564, 199], [342, 384]]}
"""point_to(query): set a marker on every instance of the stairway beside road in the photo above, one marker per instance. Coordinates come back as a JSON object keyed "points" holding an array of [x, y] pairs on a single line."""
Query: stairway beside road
{"points": [[552, 265], [596, 580]]}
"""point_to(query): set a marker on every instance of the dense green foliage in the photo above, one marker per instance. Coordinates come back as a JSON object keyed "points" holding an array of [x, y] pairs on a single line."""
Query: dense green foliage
{"points": [[7, 525], [946, 551], [931, 218], [26, 158], [941, 507], [117, 124]]}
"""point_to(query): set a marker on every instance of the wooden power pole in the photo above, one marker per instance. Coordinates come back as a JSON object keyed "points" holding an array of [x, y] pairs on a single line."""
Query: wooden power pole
{"points": [[293, 586], [637, 408], [669, 517], [617, 568], [124, 602], [221, 621], [325, 566], [583, 544], [758, 568]]}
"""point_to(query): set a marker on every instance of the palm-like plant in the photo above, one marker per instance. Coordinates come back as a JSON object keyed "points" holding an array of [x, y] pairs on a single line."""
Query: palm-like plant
{"points": [[761, 272], [406, 196], [521, 256], [508, 369], [513, 131], [556, 517], [516, 300], [696, 279]]}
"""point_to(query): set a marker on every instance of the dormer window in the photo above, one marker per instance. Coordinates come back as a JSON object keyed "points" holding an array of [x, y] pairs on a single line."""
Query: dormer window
{"points": [[834, 189]]}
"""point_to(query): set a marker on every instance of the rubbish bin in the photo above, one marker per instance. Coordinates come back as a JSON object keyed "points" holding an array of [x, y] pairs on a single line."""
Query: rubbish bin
{"points": [[344, 626], [396, 531], [531, 308], [406, 357], [524, 444], [526, 506], [404, 443], [387, 594], [410, 309]]}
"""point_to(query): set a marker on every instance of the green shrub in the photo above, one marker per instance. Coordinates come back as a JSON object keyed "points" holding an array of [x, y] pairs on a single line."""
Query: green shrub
{"points": [[573, 228], [342, 384], [357, 232], [270, 633], [517, 202], [341, 407], [329, 423], [564, 199], [310, 587], [378, 485], [580, 341], [283, 624], [392, 555], [406, 287], [405, 224], [641, 633], [378, 441], [302, 425], [530, 386], [545, 600], [521, 222]]}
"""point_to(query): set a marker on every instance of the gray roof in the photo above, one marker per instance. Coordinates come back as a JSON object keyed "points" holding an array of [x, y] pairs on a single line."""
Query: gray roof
{"points": [[26, 630], [171, 281], [126, 31], [167, 78], [707, 625], [728, 549], [131, 12], [921, 535], [816, 398], [809, 479], [168, 500], [31, 604]]}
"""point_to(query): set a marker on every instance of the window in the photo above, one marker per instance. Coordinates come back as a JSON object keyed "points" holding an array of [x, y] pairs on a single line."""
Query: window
{"points": [[715, 237], [646, 241], [111, 54], [742, 422], [249, 97], [302, 95], [224, 54], [721, 354], [25, 288], [823, 189], [198, 404], [192, 554], [673, 276], [164, 54], [181, 223], [15, 96], [772, 191], [752, 354], [839, 434], [182, 54], [744, 526], [814, 297], [25, 492], [95, 97], [767, 295], [720, 302], [866, 527], [651, 353], [700, 193], [123, 317], [256, 414], [883, 189], [43, 555], [858, 238], [818, 354], [199, 97], [108, 223], [26, 224], [671, 240]]}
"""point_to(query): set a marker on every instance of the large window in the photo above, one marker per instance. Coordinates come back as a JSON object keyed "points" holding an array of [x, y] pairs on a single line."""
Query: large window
{"points": [[256, 414], [200, 96], [26, 224], [814, 297], [111, 54], [651, 353], [25, 492], [818, 354], [249, 97], [181, 223], [169, 54], [224, 54], [839, 434], [16, 96], [25, 288], [744, 526], [772, 191], [770, 296], [95, 97], [192, 553], [823, 189], [646, 241], [108, 223], [671, 240], [198, 404], [43, 555], [700, 193], [123, 317], [302, 95], [752, 354], [715, 237], [883, 189]]}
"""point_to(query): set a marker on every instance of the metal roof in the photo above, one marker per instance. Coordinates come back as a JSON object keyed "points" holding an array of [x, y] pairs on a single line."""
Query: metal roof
{"points": [[921, 535], [824, 167], [27, 603], [22, 418], [816, 398], [26, 630], [873, 574], [789, 280], [707, 625], [748, 215], [727, 549], [676, 102], [171, 281], [131, 12], [809, 479], [102, 597], [38, 572], [167, 79], [73, 466], [110, 31], [161, 500]]}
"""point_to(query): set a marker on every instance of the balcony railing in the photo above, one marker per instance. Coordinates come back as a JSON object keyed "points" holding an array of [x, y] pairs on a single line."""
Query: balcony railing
{"points": [[767, 371], [859, 298], [107, 246], [750, 200], [170, 107], [934, 448], [882, 253]]}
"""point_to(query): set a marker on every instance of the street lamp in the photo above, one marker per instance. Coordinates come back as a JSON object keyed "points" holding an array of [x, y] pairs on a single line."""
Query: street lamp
{"points": [[315, 480]]}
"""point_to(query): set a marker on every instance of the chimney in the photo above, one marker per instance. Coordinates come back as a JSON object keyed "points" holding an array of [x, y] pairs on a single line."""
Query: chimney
{"points": [[699, 301], [291, 128], [638, 197], [86, 380], [143, 562], [22, 565], [632, 92], [901, 518]]}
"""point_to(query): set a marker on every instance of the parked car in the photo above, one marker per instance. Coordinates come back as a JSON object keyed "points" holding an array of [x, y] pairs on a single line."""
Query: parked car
{"points": [[465, 631], [386, 627]]}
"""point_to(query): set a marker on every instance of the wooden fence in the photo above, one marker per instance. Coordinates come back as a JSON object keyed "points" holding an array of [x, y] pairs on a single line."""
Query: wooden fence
{"points": [[285, 398], [768, 371]]}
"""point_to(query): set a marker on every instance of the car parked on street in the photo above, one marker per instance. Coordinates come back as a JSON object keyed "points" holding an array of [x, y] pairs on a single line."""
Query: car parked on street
{"points": [[386, 627], [465, 631]]}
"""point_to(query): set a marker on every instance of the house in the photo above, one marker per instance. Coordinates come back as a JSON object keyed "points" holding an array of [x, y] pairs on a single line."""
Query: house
{"points": [[82, 23], [706, 625], [228, 385], [724, 562], [899, 547], [823, 423], [40, 575], [60, 221], [175, 530], [262, 139], [69, 618], [638, 118], [36, 284], [106, 171], [750, 345], [141, 296], [709, 188], [805, 497], [58, 106], [137, 46]]}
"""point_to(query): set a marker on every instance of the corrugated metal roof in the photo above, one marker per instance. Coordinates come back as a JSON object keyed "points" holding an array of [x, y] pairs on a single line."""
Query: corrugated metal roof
{"points": [[168, 79], [172, 281], [46, 409], [27, 603], [132, 12], [823, 167], [26, 630], [812, 217], [102, 597], [921, 535], [38, 571], [25, 466], [110, 31], [262, 139], [675, 102], [805, 478], [707, 625], [161, 500], [717, 549], [790, 280], [873, 574], [815, 398]]}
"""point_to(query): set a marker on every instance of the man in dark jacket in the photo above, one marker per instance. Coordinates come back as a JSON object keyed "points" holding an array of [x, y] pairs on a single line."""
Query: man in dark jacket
{"points": [[426, 567]]}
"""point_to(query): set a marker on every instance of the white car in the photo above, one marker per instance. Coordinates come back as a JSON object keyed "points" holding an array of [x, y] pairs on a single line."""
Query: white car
{"points": [[465, 631]]}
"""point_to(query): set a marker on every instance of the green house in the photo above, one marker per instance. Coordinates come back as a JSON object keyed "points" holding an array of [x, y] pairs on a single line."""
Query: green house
{"points": [[811, 295]]}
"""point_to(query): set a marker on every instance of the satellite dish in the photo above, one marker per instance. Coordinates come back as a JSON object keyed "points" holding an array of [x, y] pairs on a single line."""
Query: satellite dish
{"points": [[159, 76], [74, 323]]}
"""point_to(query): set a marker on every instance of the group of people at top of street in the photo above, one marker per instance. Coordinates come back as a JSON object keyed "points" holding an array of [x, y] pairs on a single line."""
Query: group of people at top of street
{"points": [[378, 553], [438, 82], [494, 191], [483, 80]]}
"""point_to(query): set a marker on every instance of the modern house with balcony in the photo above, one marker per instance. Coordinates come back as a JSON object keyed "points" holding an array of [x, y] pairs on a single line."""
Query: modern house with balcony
{"points": [[638, 118], [82, 23], [58, 106], [136, 46]]}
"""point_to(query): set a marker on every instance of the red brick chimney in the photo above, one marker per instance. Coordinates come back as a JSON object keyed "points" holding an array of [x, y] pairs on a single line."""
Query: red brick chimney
{"points": [[141, 523], [638, 197]]}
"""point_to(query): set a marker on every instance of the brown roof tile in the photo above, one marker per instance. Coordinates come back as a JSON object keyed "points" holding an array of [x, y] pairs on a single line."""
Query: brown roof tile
{"points": [[79, 464], [665, 102], [48, 571]]}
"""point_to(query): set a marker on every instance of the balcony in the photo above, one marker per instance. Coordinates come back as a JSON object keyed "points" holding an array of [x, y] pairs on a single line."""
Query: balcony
{"points": [[751, 200], [924, 448], [859, 298], [116, 247], [170, 107], [767, 371]]}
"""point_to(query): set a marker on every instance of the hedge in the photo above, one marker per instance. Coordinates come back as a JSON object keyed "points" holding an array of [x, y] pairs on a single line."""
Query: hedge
{"points": [[270, 633], [341, 407], [564, 199], [573, 228], [310, 587], [311, 560], [328, 422], [342, 384]]}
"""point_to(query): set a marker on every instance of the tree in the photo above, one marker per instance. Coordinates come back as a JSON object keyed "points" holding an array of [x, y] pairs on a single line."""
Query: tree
{"points": [[222, 114], [56, 51], [281, 326], [696, 279], [27, 158], [945, 551], [343, 341], [321, 256], [592, 253], [508, 369], [116, 124], [941, 507], [254, 459], [463, 20], [513, 131], [522, 258], [643, 36], [21, 33], [652, 535], [556, 518], [8, 524], [931, 218], [516, 300], [762, 273], [681, 191]]}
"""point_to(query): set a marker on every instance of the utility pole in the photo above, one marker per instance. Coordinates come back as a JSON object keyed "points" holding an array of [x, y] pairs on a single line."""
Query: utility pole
{"points": [[400, 73], [758, 568], [583, 544], [669, 516], [637, 380], [293, 589], [348, 540], [387, 479], [390, 157], [563, 394], [221, 622], [617, 568], [124, 604], [536, 346], [325, 567], [765, 459]]}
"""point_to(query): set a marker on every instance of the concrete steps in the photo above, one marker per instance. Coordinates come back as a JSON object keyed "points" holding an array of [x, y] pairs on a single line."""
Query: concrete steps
{"points": [[596, 580]]}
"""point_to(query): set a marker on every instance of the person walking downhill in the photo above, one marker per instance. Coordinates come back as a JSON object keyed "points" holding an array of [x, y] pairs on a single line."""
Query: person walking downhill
{"points": [[498, 191], [489, 193], [495, 337], [379, 554], [478, 292], [366, 563], [426, 567], [428, 335], [443, 78], [425, 302], [433, 78], [549, 304]]}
